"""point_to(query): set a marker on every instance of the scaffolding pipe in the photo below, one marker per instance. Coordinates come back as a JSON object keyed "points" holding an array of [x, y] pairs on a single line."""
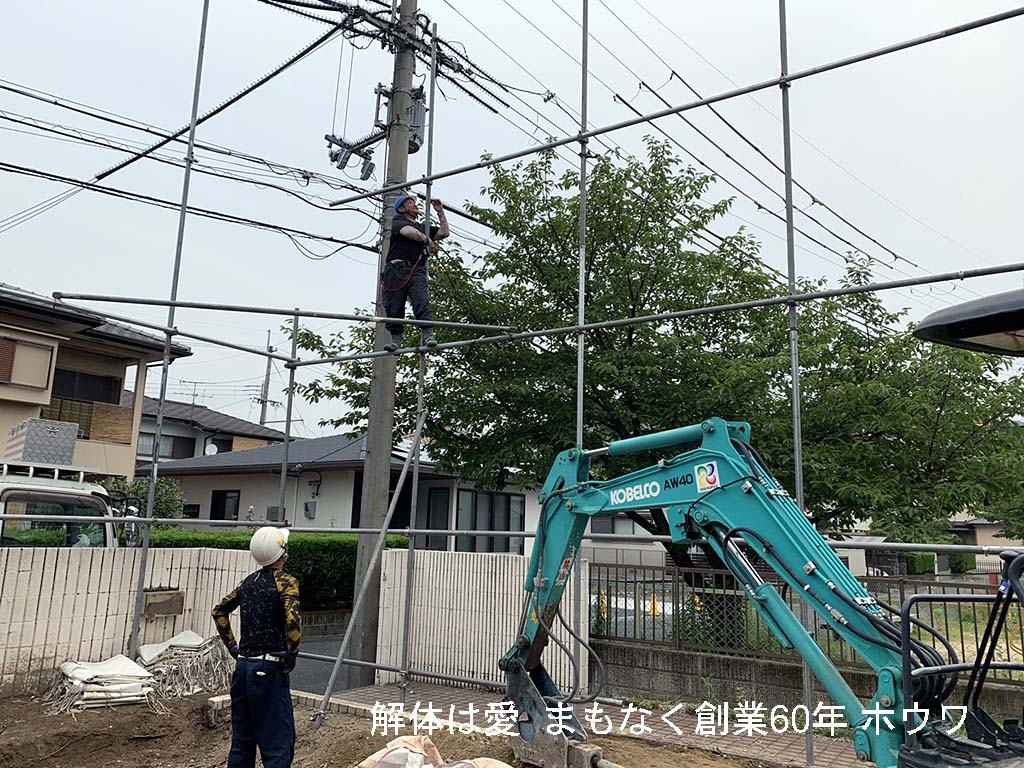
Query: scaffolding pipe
{"points": [[318, 716], [142, 301], [742, 91], [807, 683], [288, 428], [140, 584], [887, 546], [209, 339], [480, 683], [581, 308], [831, 293], [420, 411], [410, 560]]}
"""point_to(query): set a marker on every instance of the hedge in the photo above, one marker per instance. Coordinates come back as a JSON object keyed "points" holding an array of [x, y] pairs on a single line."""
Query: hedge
{"points": [[962, 562], [324, 564], [920, 563]]}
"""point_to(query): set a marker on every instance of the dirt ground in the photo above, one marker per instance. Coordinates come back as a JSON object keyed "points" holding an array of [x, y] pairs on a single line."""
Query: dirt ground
{"points": [[134, 736]]}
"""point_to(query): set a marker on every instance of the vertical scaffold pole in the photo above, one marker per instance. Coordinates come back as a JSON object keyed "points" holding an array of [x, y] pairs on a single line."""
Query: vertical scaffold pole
{"points": [[410, 561], [581, 304], [140, 584], [794, 340], [288, 427]]}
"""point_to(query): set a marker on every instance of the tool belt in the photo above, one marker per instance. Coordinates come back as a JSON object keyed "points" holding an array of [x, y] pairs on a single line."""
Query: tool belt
{"points": [[403, 262]]}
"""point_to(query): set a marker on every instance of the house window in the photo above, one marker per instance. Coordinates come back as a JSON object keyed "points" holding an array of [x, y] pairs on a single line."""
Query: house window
{"points": [[435, 516], [224, 505], [171, 446], [190, 511], [484, 511], [86, 387], [25, 364], [224, 444]]}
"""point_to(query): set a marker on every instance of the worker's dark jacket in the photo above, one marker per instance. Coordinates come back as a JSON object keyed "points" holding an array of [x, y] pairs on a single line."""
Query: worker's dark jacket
{"points": [[406, 249], [269, 602]]}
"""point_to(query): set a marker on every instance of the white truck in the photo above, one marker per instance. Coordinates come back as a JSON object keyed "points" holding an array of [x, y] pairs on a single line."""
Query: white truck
{"points": [[59, 491]]}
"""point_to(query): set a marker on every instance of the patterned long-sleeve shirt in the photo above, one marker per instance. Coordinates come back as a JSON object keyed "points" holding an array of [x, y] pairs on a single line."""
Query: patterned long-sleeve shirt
{"points": [[269, 607]]}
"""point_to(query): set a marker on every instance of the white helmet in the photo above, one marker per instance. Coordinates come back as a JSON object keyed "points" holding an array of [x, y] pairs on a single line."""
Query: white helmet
{"points": [[268, 545]]}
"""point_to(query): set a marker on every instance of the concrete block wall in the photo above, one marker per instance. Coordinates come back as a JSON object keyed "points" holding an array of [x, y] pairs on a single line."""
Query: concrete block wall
{"points": [[66, 604], [663, 674]]}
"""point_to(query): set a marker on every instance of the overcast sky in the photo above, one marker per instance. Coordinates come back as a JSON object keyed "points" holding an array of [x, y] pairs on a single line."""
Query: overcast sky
{"points": [[920, 149]]}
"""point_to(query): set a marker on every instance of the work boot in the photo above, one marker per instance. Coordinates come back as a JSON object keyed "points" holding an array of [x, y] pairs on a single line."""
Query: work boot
{"points": [[429, 340], [394, 344]]}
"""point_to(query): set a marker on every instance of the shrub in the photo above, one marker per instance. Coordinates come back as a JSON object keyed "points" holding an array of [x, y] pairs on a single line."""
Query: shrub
{"points": [[960, 562], [920, 563], [324, 563]]}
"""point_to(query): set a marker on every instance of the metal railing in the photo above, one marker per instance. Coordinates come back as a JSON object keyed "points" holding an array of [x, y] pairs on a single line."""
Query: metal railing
{"points": [[704, 610]]}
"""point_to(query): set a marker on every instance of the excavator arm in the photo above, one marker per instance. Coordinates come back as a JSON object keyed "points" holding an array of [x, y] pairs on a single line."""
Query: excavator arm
{"points": [[720, 492]]}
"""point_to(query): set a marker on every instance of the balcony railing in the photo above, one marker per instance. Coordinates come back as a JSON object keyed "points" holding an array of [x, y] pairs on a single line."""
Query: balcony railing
{"points": [[102, 422]]}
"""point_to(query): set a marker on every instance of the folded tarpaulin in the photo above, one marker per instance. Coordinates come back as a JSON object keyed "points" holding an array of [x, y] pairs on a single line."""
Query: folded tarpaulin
{"points": [[184, 641], [119, 669], [420, 752]]}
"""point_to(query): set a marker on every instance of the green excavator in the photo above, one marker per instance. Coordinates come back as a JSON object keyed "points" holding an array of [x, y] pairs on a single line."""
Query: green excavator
{"points": [[714, 488]]}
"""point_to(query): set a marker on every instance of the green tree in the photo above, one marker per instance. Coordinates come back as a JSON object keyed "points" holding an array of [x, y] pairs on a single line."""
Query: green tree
{"points": [[168, 502], [895, 430]]}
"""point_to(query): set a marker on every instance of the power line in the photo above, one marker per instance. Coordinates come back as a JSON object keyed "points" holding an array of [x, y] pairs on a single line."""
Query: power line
{"points": [[543, 85], [807, 141], [290, 232]]}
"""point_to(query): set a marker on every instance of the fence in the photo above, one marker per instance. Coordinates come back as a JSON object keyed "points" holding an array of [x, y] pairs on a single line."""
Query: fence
{"points": [[61, 604], [465, 614], [704, 610]]}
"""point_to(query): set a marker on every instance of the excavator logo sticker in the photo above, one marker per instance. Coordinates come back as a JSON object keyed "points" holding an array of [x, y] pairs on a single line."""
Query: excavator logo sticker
{"points": [[707, 476]]}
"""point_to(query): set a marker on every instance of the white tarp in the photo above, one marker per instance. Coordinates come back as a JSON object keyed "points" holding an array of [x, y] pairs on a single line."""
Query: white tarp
{"points": [[420, 752], [118, 680]]}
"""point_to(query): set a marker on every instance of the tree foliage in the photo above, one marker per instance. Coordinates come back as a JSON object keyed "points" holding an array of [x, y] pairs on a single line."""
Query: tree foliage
{"points": [[894, 430], [168, 502]]}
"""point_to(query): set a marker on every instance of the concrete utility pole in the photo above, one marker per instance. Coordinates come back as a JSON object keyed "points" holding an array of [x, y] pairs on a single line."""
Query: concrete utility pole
{"points": [[377, 466], [265, 392]]}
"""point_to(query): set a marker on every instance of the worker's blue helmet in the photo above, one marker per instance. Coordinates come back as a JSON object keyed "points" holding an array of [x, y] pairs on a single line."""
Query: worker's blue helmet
{"points": [[401, 201]]}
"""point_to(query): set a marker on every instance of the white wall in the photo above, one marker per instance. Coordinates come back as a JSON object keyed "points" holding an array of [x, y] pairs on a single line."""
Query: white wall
{"points": [[334, 504], [69, 604], [466, 608]]}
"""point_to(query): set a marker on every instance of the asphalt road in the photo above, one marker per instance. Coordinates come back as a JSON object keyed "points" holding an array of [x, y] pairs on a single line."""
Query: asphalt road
{"points": [[311, 676]]}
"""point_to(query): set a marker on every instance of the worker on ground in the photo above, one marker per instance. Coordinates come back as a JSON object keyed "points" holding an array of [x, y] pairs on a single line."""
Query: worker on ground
{"points": [[271, 628], [405, 273]]}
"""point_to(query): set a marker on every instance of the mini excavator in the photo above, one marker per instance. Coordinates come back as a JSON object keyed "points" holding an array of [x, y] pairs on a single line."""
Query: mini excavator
{"points": [[718, 491]]}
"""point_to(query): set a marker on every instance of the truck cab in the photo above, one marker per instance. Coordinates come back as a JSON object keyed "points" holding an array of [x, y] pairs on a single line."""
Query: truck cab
{"points": [[40, 489]]}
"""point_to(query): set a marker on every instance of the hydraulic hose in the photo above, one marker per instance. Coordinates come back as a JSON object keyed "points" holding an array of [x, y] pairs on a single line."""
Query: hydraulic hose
{"points": [[593, 654]]}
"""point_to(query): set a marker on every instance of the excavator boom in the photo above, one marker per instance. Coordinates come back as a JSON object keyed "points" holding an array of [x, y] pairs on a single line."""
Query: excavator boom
{"points": [[720, 492]]}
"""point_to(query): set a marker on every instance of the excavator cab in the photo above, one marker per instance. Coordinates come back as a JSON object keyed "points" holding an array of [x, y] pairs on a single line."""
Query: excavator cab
{"points": [[720, 492]]}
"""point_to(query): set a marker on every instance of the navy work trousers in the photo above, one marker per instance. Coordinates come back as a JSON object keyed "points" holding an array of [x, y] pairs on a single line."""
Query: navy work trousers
{"points": [[401, 286], [261, 715]]}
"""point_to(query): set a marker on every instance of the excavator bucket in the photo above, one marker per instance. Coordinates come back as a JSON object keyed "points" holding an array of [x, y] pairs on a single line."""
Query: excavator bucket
{"points": [[539, 742]]}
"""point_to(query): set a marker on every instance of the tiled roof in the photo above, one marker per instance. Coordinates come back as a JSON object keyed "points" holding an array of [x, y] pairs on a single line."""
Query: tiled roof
{"points": [[332, 452], [99, 326], [205, 418]]}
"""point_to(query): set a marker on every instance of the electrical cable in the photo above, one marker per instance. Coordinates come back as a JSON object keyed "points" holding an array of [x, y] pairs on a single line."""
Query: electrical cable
{"points": [[161, 203], [809, 143]]}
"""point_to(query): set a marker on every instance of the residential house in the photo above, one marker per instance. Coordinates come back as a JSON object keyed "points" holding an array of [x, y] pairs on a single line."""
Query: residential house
{"points": [[984, 532], [191, 430], [66, 364], [324, 489]]}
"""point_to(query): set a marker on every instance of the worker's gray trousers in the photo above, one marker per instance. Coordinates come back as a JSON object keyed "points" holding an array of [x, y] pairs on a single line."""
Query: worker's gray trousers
{"points": [[261, 715], [402, 284]]}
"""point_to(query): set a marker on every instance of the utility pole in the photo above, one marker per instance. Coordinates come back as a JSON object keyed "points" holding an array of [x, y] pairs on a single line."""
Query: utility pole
{"points": [[377, 465], [265, 391]]}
